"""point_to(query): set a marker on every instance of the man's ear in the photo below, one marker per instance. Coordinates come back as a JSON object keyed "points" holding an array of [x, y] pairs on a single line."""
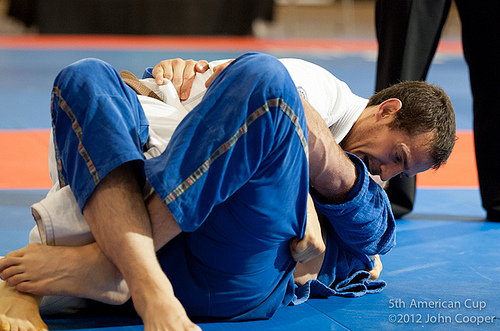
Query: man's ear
{"points": [[389, 107]]}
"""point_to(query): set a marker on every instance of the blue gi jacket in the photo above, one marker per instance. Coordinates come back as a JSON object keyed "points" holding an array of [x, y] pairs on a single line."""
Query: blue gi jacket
{"points": [[358, 229]]}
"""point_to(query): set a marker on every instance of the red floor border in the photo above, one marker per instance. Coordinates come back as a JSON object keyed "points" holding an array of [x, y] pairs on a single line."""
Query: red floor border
{"points": [[214, 43], [25, 163]]}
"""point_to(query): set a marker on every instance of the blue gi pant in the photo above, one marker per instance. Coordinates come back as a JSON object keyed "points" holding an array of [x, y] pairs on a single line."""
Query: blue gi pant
{"points": [[234, 175]]}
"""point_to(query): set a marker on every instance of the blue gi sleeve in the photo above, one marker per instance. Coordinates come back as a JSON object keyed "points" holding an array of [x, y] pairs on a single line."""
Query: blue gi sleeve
{"points": [[364, 221], [148, 73]]}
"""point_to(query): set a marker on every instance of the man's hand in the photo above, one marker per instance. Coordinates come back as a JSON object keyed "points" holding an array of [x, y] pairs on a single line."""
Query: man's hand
{"points": [[312, 244], [377, 268], [217, 70], [180, 72]]}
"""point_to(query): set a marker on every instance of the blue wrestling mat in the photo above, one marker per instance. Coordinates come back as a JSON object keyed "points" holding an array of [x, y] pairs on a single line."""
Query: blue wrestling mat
{"points": [[441, 275]]}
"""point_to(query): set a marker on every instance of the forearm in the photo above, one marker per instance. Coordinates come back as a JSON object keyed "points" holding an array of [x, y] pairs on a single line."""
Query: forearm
{"points": [[331, 172]]}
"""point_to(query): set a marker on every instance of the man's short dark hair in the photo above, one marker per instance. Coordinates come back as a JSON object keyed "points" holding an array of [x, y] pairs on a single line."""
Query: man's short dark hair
{"points": [[426, 108]]}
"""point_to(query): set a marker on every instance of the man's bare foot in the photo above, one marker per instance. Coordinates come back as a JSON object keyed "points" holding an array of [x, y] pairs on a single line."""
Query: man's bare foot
{"points": [[161, 310], [68, 271], [19, 311]]}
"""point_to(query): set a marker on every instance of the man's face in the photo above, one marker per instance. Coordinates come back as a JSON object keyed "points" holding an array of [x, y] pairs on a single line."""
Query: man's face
{"points": [[390, 152]]}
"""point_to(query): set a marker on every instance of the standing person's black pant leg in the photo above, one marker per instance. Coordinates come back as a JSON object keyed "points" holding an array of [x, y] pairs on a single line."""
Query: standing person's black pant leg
{"points": [[480, 28], [408, 33]]}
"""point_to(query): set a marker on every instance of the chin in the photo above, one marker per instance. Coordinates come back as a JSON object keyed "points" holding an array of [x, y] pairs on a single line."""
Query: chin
{"points": [[366, 161], [361, 155], [364, 158]]}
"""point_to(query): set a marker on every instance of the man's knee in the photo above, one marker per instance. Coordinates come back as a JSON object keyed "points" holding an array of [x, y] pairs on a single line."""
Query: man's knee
{"points": [[266, 81], [263, 67], [83, 72], [85, 66], [89, 85], [261, 62]]}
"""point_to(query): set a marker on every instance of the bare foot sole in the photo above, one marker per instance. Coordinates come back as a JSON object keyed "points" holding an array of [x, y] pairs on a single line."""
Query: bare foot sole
{"points": [[19, 311], [68, 271]]}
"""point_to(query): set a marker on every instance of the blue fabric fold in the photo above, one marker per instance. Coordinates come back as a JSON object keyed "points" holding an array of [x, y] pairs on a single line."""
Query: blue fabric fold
{"points": [[148, 73], [357, 285], [343, 273]]}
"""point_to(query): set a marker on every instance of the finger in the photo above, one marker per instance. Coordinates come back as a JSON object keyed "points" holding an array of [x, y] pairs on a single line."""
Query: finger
{"points": [[188, 79], [158, 73], [178, 69], [217, 70], [302, 251], [374, 274], [185, 90], [201, 66], [307, 256], [210, 79], [293, 248], [308, 247], [377, 268]]}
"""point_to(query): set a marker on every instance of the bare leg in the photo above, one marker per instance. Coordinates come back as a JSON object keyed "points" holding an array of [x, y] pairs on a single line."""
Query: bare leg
{"points": [[119, 220], [19, 311], [75, 271], [120, 223]]}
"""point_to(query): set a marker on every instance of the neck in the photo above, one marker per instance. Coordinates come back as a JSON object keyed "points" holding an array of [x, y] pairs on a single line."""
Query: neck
{"points": [[353, 135]]}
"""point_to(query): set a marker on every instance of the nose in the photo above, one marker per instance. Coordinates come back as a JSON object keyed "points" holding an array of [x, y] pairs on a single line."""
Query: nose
{"points": [[387, 171]]}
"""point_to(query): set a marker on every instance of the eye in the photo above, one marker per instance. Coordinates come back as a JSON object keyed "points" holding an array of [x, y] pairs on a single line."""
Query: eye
{"points": [[398, 158]]}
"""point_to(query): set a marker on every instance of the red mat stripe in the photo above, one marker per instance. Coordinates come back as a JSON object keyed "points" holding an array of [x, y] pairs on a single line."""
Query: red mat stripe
{"points": [[25, 162], [126, 42]]}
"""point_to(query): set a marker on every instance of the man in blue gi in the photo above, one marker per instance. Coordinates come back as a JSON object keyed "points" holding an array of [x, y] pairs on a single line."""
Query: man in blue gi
{"points": [[230, 192]]}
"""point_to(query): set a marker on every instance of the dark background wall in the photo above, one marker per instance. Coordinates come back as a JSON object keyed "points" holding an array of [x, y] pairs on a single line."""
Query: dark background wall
{"points": [[179, 17]]}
